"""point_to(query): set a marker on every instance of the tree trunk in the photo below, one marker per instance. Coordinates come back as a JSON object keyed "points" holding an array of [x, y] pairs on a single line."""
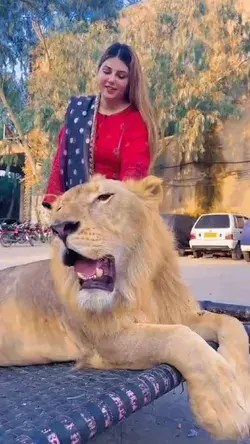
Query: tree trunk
{"points": [[36, 205], [22, 140], [39, 33]]}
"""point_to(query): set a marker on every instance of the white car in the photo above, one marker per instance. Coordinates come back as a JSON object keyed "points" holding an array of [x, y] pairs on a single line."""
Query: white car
{"points": [[217, 232]]}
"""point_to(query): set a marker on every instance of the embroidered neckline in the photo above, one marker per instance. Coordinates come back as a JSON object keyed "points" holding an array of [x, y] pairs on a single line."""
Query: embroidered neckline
{"points": [[125, 110]]}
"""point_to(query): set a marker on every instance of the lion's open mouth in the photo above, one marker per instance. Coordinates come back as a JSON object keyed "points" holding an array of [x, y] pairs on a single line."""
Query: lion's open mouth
{"points": [[92, 273]]}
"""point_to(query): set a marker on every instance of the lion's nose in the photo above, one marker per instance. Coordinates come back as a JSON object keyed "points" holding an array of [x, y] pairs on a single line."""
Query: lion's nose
{"points": [[63, 229]]}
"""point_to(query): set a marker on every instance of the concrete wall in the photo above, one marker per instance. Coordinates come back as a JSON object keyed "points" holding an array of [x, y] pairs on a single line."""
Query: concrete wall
{"points": [[232, 181]]}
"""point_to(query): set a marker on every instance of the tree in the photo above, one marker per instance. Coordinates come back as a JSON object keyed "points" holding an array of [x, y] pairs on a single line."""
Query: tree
{"points": [[27, 22], [72, 71], [196, 57], [16, 40]]}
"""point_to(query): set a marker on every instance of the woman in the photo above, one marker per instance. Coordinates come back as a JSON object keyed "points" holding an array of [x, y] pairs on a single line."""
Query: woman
{"points": [[113, 133]]}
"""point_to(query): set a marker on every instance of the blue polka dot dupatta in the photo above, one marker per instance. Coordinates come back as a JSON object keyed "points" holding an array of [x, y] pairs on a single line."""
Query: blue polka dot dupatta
{"points": [[77, 162]]}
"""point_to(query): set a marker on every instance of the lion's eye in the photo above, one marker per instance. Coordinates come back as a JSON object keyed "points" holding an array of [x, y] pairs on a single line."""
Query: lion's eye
{"points": [[105, 197]]}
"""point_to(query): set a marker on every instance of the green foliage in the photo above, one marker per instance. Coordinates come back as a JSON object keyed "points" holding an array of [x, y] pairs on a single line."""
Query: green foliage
{"points": [[24, 24], [14, 91], [196, 58], [71, 70]]}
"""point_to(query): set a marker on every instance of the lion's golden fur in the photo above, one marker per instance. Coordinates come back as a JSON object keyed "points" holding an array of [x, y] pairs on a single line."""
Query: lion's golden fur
{"points": [[149, 318], [152, 270]]}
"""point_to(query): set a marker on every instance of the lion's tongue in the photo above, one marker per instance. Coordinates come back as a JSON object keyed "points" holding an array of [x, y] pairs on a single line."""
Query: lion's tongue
{"points": [[86, 267]]}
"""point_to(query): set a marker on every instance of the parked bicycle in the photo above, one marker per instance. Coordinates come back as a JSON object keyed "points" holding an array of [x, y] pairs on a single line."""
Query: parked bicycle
{"points": [[24, 233], [40, 233], [15, 234]]}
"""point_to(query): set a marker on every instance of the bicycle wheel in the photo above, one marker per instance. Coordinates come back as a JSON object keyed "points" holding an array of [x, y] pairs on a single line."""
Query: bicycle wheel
{"points": [[30, 240], [43, 238], [5, 240], [21, 238]]}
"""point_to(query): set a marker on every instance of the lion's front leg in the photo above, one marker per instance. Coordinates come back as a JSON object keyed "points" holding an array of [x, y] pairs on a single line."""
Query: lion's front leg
{"points": [[233, 342], [215, 396]]}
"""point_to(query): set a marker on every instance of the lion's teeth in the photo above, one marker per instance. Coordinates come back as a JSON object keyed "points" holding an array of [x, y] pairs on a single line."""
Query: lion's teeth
{"points": [[80, 275], [99, 272]]}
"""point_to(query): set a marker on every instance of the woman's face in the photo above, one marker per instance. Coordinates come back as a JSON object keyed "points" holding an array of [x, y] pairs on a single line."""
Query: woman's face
{"points": [[113, 79]]}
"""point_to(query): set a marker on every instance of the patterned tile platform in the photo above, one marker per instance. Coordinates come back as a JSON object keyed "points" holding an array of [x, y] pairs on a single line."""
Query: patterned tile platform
{"points": [[55, 404]]}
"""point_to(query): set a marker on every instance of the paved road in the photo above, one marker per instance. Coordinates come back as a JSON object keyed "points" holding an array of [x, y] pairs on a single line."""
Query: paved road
{"points": [[169, 419], [218, 279], [21, 254]]}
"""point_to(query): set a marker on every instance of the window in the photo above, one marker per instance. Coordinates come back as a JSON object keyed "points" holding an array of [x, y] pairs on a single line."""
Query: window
{"points": [[239, 222], [213, 221]]}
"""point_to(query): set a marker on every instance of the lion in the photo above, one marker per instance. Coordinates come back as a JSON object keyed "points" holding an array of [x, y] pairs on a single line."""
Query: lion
{"points": [[112, 297]]}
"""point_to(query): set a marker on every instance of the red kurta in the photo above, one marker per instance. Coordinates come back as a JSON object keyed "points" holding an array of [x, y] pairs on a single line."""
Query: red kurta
{"points": [[121, 150]]}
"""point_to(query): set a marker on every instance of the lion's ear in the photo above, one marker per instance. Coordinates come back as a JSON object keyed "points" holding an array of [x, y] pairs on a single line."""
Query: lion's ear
{"points": [[97, 177], [149, 189], [47, 205], [152, 187]]}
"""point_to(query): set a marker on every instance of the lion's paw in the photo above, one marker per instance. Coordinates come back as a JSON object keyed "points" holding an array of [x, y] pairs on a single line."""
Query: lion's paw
{"points": [[218, 403]]}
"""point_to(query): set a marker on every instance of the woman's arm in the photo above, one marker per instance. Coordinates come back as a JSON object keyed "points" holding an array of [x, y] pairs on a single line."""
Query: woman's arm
{"points": [[135, 154], [56, 183]]}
